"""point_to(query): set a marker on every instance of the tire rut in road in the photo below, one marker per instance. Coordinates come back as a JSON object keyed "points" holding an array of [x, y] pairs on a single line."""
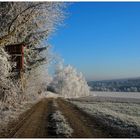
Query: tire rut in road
{"points": [[13, 127], [82, 124], [37, 122], [34, 124], [51, 124]]}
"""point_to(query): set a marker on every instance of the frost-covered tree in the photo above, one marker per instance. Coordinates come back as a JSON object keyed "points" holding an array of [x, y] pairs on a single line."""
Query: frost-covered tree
{"points": [[69, 83], [9, 89], [35, 84], [29, 23], [5, 67]]}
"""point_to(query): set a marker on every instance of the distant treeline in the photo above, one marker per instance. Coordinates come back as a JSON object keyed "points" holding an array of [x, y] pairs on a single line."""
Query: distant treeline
{"points": [[123, 85]]}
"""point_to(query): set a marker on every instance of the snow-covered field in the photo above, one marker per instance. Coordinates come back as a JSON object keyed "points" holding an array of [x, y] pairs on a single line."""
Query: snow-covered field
{"points": [[135, 95], [127, 97], [115, 114]]}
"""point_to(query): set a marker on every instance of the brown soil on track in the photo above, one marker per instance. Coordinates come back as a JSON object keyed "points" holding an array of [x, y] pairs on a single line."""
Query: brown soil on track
{"points": [[84, 126], [34, 123]]}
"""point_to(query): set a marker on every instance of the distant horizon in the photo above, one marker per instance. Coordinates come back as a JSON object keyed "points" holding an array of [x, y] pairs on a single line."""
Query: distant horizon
{"points": [[101, 39], [125, 78]]}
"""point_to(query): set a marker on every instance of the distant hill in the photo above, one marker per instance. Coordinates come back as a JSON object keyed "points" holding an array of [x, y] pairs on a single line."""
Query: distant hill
{"points": [[120, 85]]}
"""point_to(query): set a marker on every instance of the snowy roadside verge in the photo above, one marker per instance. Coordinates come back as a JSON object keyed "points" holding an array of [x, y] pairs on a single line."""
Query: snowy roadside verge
{"points": [[12, 115], [120, 119]]}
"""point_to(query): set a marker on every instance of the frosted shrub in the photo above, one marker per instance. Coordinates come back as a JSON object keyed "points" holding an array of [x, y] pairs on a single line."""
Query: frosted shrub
{"points": [[69, 83], [36, 84]]}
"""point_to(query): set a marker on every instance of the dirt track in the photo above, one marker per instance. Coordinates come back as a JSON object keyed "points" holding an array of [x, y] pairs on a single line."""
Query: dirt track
{"points": [[34, 122]]}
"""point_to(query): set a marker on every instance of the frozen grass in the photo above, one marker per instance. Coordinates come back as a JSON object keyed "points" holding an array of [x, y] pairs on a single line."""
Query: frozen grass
{"points": [[12, 113], [62, 126], [124, 116]]}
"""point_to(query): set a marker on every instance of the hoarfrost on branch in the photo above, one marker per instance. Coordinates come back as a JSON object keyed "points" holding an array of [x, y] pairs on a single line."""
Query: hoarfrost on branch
{"points": [[69, 83]]}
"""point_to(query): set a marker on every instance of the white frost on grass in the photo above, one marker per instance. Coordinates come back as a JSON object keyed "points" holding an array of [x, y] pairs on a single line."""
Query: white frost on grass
{"points": [[120, 115], [62, 126], [12, 114]]}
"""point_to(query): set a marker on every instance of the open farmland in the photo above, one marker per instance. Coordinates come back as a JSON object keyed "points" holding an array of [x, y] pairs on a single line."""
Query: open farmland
{"points": [[119, 114]]}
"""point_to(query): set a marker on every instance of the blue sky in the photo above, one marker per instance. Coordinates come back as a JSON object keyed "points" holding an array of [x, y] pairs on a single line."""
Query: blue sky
{"points": [[102, 40]]}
